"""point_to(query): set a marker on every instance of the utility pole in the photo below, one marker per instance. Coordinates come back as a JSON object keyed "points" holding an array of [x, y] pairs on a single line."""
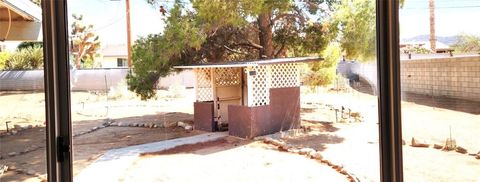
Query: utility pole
{"points": [[129, 43], [433, 39]]}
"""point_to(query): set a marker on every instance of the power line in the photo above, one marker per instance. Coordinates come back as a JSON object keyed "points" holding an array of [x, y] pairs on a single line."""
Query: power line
{"points": [[109, 24], [448, 7]]}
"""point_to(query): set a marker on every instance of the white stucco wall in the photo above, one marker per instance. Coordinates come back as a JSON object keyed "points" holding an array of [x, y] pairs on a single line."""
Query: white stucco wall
{"points": [[110, 62]]}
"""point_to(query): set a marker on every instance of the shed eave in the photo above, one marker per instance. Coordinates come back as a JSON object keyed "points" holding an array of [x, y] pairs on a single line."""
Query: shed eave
{"points": [[252, 63]]}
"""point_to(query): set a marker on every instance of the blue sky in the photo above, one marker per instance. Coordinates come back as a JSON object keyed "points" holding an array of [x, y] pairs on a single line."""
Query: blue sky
{"points": [[452, 17], [108, 17]]}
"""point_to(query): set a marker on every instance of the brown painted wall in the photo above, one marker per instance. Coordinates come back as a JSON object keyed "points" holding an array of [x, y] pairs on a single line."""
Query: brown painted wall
{"points": [[285, 108], [240, 123], [283, 113], [203, 116]]}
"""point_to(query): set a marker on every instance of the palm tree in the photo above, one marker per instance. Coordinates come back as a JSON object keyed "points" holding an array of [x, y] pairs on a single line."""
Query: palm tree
{"points": [[433, 39]]}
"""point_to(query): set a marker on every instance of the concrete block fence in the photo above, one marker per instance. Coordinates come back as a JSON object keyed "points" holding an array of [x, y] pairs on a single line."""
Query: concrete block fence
{"points": [[453, 77]]}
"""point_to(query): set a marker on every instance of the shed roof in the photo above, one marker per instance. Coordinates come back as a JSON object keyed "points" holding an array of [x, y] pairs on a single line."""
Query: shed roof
{"points": [[115, 51], [251, 63]]}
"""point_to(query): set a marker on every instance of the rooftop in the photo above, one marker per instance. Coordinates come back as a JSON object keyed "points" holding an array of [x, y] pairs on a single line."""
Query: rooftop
{"points": [[115, 51], [20, 10]]}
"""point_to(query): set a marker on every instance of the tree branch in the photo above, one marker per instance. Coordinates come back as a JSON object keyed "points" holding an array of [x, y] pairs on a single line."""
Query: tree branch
{"points": [[280, 50], [285, 15], [235, 51], [251, 44]]}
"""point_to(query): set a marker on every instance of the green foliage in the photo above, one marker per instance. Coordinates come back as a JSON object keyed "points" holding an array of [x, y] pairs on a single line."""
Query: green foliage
{"points": [[85, 42], [226, 30], [25, 59], [215, 14], [356, 22], [417, 50], [153, 56], [24, 45], [467, 43], [4, 56], [323, 73]]}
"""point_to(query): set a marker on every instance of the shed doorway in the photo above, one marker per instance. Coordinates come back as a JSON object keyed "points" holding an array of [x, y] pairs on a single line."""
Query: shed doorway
{"points": [[228, 91]]}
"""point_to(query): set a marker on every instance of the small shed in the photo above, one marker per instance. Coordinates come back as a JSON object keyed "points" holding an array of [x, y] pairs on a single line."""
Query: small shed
{"points": [[252, 98]]}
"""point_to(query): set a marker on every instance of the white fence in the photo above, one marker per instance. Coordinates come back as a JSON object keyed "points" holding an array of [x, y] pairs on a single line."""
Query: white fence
{"points": [[94, 79]]}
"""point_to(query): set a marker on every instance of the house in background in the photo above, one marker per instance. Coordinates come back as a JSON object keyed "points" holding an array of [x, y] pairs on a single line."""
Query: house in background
{"points": [[20, 20], [114, 56], [440, 47]]}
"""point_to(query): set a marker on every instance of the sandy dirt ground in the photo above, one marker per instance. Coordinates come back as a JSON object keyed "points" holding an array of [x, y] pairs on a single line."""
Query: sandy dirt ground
{"points": [[353, 145], [88, 110], [232, 159]]}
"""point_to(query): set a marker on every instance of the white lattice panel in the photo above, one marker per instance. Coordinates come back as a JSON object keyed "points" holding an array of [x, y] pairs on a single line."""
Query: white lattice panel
{"points": [[258, 86], [285, 75], [228, 76], [203, 87]]}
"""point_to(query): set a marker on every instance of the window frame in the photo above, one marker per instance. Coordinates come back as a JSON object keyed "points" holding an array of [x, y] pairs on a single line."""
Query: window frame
{"points": [[123, 62], [57, 90], [389, 99]]}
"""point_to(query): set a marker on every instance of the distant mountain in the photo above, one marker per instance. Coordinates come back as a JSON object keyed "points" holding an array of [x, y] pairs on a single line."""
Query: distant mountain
{"points": [[448, 40]]}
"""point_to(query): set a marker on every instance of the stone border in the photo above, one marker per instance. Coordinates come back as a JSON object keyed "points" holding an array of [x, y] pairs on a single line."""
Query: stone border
{"points": [[27, 150], [105, 124], [32, 173], [423, 144], [312, 154], [17, 128]]}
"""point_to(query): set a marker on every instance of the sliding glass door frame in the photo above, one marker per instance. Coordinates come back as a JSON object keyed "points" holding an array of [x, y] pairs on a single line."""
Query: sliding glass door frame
{"points": [[389, 99], [57, 90]]}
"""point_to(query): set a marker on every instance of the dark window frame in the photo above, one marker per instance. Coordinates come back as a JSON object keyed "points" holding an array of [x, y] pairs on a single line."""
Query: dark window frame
{"points": [[122, 62], [57, 90], [389, 100]]}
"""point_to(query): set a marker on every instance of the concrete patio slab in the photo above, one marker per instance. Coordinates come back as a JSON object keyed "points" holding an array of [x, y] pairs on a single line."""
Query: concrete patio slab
{"points": [[113, 163]]}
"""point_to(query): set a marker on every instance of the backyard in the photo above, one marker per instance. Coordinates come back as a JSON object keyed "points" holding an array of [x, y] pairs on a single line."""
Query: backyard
{"points": [[344, 143]]}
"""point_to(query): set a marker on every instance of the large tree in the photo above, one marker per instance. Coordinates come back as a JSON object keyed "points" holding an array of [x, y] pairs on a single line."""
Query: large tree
{"points": [[354, 21], [85, 42], [225, 30]]}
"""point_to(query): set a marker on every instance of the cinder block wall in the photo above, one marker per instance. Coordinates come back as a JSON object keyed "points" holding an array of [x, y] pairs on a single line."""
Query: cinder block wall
{"points": [[456, 77]]}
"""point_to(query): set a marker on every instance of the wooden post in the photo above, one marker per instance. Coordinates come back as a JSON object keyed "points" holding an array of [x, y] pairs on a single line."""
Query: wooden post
{"points": [[129, 43], [214, 92]]}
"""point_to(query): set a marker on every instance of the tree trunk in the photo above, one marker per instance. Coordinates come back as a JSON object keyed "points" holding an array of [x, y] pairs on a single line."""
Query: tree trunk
{"points": [[265, 35], [77, 62], [78, 57]]}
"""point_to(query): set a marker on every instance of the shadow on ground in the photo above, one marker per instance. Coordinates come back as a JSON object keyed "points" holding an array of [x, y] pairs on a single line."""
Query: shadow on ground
{"points": [[322, 126], [318, 142], [205, 148]]}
